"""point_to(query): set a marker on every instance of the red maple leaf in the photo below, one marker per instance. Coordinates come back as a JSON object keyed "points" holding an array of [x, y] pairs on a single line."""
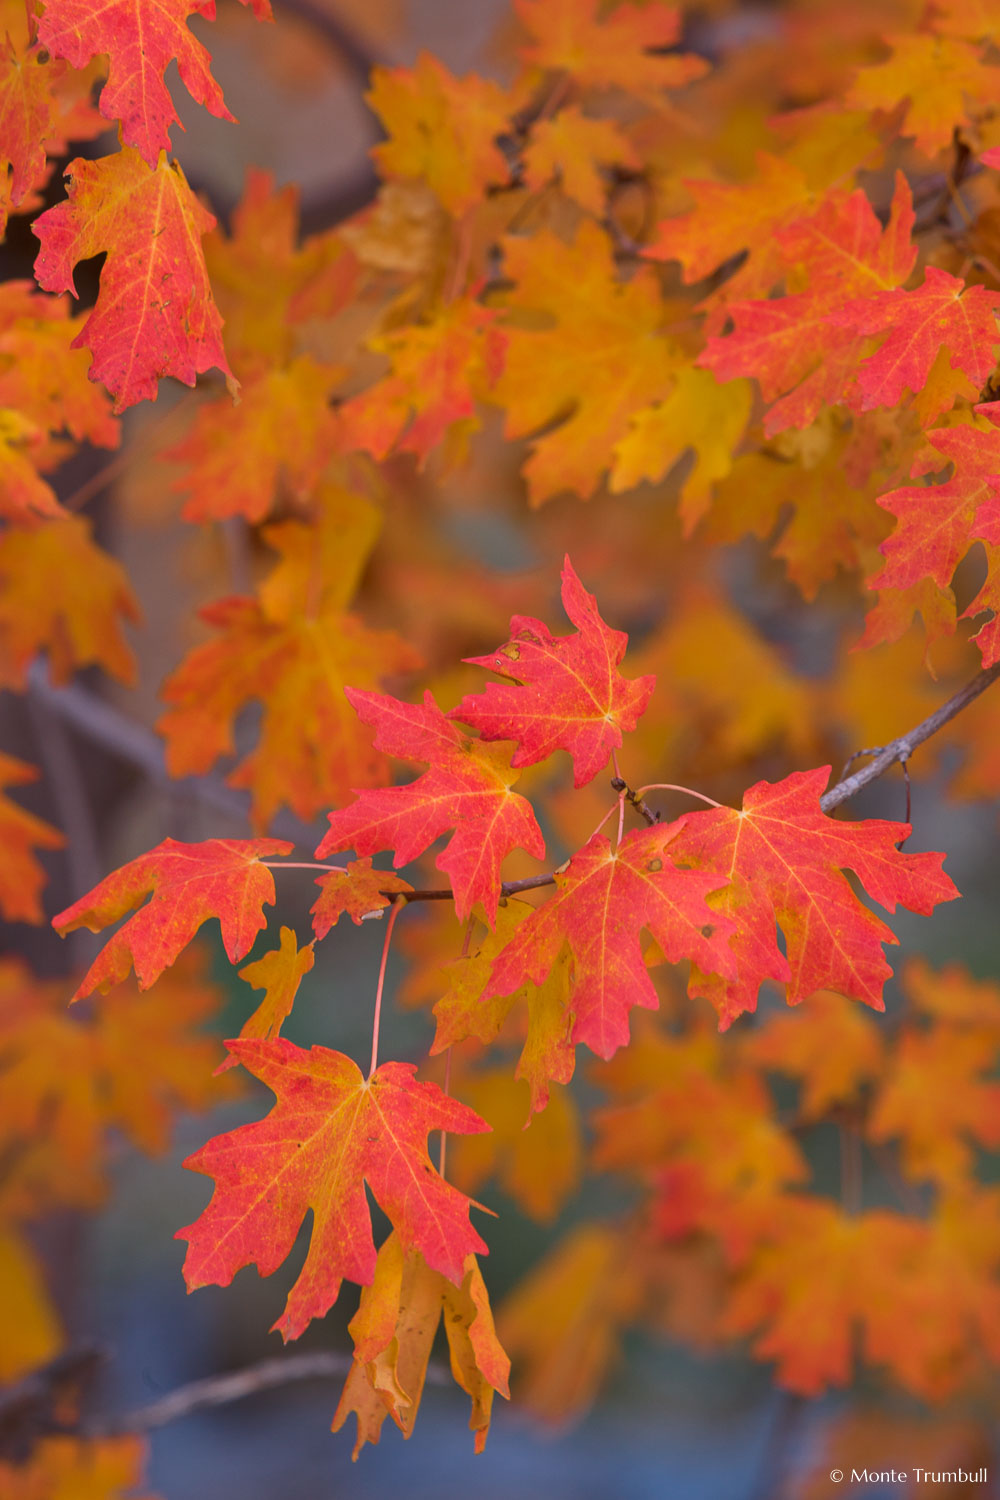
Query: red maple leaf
{"points": [[782, 860], [155, 314], [935, 524], [140, 41], [467, 788], [567, 692], [330, 1132], [603, 900], [941, 312], [797, 346], [189, 884]]}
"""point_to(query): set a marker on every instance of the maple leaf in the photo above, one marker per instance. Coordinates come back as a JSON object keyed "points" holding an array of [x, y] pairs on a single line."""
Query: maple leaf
{"points": [[936, 1095], [814, 517], [936, 75], [563, 1322], [279, 974], [604, 898], [729, 217], [941, 312], [622, 48], [266, 284], [331, 1132], [69, 1079], [24, 494], [189, 884], [290, 647], [165, 1028], [781, 859], [438, 370], [28, 116], [140, 42], [936, 523], [808, 1318], [467, 788], [952, 994], [569, 146], [154, 315], [279, 438], [78, 624], [393, 1332], [21, 876], [43, 377], [800, 347], [548, 1055], [538, 1167], [100, 1469], [441, 129], [566, 691], [831, 1047], [359, 890], [731, 713], [699, 413], [604, 357]]}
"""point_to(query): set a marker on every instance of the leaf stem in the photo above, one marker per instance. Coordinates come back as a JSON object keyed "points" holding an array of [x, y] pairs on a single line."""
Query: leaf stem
{"points": [[397, 907], [670, 786], [297, 864]]}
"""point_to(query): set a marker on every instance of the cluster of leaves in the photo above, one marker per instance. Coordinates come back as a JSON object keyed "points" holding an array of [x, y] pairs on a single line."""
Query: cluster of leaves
{"points": [[713, 887], [764, 306]]}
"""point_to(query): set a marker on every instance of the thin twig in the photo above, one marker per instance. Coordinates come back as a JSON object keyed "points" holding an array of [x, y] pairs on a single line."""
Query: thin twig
{"points": [[902, 748], [219, 1390]]}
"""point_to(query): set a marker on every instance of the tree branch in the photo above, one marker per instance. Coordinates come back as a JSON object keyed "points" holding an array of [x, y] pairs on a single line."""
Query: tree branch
{"points": [[219, 1390], [902, 748], [104, 725]]}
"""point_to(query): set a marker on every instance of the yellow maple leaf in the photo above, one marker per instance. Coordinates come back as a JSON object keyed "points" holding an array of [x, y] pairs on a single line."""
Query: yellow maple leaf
{"points": [[584, 346], [393, 1332], [441, 129]]}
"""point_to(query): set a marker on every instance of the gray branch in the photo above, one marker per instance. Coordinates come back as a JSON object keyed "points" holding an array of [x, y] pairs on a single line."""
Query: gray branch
{"points": [[899, 750], [219, 1390]]}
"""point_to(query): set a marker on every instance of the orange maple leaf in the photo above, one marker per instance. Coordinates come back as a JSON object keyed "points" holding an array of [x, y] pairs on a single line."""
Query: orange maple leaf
{"points": [[438, 371], [279, 974], [548, 1055], [21, 876], [571, 147], [102, 1469], [241, 459], [603, 358], [292, 646], [393, 1332], [78, 624], [358, 889], [625, 47], [441, 129]]}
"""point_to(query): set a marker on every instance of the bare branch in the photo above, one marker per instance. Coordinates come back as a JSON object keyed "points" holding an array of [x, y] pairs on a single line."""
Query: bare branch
{"points": [[104, 725], [219, 1390], [902, 748]]}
